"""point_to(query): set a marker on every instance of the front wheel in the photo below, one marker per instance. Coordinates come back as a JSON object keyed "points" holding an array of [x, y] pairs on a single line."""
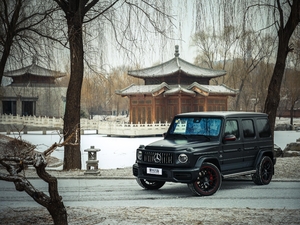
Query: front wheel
{"points": [[264, 171], [208, 181], [150, 184]]}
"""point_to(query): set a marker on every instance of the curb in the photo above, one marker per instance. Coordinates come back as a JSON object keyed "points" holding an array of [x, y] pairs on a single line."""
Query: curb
{"points": [[91, 177]]}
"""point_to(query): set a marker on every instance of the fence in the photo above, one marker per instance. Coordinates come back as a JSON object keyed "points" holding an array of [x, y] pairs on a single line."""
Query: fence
{"points": [[11, 123]]}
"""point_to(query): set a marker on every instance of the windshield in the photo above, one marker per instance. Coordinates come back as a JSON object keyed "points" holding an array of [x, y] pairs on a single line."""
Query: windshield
{"points": [[204, 126]]}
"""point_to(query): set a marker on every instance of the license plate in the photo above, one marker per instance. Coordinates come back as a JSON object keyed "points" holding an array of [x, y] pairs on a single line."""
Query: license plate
{"points": [[154, 171]]}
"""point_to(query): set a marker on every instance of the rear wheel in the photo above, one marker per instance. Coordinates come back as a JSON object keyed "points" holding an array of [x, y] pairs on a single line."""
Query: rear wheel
{"points": [[208, 181], [264, 172], [150, 184]]}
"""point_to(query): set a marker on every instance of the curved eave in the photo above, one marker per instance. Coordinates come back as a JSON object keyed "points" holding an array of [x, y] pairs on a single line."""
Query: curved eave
{"points": [[179, 90], [34, 70], [212, 89], [173, 66], [153, 90], [165, 89]]}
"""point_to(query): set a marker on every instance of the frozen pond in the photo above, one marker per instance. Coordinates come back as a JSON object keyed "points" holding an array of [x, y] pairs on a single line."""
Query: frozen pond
{"points": [[118, 152]]}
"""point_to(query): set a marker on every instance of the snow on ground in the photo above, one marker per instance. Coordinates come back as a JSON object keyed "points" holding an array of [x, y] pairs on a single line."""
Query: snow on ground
{"points": [[119, 152], [115, 152]]}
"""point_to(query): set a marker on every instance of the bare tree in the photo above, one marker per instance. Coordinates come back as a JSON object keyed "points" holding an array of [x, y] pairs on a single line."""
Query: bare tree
{"points": [[21, 22], [16, 155], [288, 18], [78, 13]]}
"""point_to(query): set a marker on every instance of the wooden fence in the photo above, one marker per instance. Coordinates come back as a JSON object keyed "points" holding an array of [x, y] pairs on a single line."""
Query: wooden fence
{"points": [[10, 123]]}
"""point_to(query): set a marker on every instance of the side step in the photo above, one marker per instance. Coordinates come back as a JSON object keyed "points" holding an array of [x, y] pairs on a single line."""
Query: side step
{"points": [[239, 174]]}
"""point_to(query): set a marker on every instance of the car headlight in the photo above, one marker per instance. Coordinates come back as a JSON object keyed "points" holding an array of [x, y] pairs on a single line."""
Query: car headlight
{"points": [[139, 155], [183, 158]]}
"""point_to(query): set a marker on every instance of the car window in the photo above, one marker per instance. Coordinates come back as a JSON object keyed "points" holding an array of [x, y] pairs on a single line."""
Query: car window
{"points": [[196, 126], [248, 128], [232, 128], [263, 128]]}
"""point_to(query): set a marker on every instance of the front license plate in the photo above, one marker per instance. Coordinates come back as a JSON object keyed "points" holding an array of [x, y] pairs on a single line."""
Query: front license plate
{"points": [[154, 171]]}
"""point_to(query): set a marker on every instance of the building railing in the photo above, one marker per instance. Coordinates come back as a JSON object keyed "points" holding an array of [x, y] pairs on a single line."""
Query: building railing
{"points": [[111, 128]]}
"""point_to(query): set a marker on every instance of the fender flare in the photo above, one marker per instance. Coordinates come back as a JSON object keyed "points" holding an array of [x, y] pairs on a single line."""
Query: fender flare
{"points": [[261, 154], [210, 159]]}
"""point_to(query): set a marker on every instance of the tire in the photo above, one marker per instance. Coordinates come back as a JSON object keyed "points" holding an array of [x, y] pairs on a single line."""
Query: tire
{"points": [[208, 181], [150, 184], [264, 172]]}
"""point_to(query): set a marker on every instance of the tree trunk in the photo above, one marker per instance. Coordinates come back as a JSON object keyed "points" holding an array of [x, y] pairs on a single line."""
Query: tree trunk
{"points": [[238, 98], [72, 154], [54, 203], [292, 114], [4, 57], [284, 35], [58, 213], [273, 97], [9, 37]]}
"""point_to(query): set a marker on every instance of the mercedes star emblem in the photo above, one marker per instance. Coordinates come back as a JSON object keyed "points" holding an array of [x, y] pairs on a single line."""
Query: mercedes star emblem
{"points": [[157, 157]]}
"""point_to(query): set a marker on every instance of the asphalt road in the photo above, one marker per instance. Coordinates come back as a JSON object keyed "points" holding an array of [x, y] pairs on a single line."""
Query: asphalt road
{"points": [[126, 192]]}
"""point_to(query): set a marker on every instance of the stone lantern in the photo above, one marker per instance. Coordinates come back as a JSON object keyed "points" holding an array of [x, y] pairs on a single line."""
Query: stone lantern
{"points": [[92, 162]]}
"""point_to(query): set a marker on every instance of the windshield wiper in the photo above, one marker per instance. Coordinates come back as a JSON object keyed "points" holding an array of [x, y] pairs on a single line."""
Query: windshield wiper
{"points": [[201, 135], [179, 135]]}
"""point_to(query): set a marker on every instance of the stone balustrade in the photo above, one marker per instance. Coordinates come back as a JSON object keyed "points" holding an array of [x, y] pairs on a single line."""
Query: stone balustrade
{"points": [[10, 123]]}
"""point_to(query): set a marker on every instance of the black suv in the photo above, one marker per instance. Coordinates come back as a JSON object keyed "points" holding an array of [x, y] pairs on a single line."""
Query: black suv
{"points": [[202, 148]]}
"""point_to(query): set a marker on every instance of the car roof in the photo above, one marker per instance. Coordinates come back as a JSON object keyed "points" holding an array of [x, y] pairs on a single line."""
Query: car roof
{"points": [[225, 114]]}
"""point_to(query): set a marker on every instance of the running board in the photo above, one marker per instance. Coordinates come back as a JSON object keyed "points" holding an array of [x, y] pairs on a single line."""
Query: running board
{"points": [[240, 174]]}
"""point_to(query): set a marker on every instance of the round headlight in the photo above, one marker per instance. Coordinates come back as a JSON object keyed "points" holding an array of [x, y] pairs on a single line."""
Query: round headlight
{"points": [[183, 158], [140, 155]]}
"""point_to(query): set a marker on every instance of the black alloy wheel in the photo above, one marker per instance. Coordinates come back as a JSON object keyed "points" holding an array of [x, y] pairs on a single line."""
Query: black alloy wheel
{"points": [[150, 184], [208, 181], [264, 172]]}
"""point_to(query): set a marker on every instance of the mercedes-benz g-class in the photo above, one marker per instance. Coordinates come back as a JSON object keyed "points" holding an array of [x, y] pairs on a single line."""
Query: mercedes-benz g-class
{"points": [[202, 148]]}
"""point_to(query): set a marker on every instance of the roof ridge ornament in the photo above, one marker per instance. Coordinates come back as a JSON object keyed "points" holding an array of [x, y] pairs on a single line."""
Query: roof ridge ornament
{"points": [[34, 59], [176, 50]]}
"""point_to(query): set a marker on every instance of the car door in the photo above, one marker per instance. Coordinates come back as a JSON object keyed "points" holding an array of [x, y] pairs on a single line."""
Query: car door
{"points": [[251, 145], [231, 156]]}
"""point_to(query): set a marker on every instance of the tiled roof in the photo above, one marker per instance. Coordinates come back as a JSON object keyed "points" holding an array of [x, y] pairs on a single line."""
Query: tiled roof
{"points": [[174, 65], [179, 89], [174, 89], [34, 70], [142, 89], [214, 89]]}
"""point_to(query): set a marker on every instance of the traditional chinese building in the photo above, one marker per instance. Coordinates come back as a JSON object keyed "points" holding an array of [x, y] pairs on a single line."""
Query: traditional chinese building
{"points": [[173, 87], [33, 91]]}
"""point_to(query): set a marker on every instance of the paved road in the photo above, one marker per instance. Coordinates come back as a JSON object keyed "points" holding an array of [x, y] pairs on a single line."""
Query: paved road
{"points": [[126, 192]]}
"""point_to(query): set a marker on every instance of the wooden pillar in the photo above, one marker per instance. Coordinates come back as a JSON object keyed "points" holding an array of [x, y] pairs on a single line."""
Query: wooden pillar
{"points": [[130, 109], [179, 103], [153, 114], [205, 104]]}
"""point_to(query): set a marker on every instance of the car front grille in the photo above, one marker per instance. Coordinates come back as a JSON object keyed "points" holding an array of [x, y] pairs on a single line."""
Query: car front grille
{"points": [[158, 157]]}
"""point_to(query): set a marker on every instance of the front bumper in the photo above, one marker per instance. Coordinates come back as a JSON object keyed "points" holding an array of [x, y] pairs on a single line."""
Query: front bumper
{"points": [[182, 175]]}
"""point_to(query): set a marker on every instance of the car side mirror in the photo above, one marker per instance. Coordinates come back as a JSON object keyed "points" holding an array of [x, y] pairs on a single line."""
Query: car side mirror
{"points": [[229, 137]]}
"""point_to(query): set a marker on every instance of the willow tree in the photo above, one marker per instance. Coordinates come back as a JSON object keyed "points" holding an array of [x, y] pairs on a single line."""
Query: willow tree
{"points": [[78, 14], [21, 23], [275, 18], [287, 19]]}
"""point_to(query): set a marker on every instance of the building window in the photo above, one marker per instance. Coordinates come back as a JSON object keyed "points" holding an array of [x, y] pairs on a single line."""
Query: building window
{"points": [[28, 108], [9, 107]]}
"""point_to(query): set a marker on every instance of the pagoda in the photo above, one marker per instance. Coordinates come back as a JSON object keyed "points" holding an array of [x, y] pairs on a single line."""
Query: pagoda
{"points": [[174, 87], [33, 91]]}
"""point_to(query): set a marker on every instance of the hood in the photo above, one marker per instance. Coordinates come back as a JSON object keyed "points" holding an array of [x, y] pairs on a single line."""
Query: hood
{"points": [[179, 144]]}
